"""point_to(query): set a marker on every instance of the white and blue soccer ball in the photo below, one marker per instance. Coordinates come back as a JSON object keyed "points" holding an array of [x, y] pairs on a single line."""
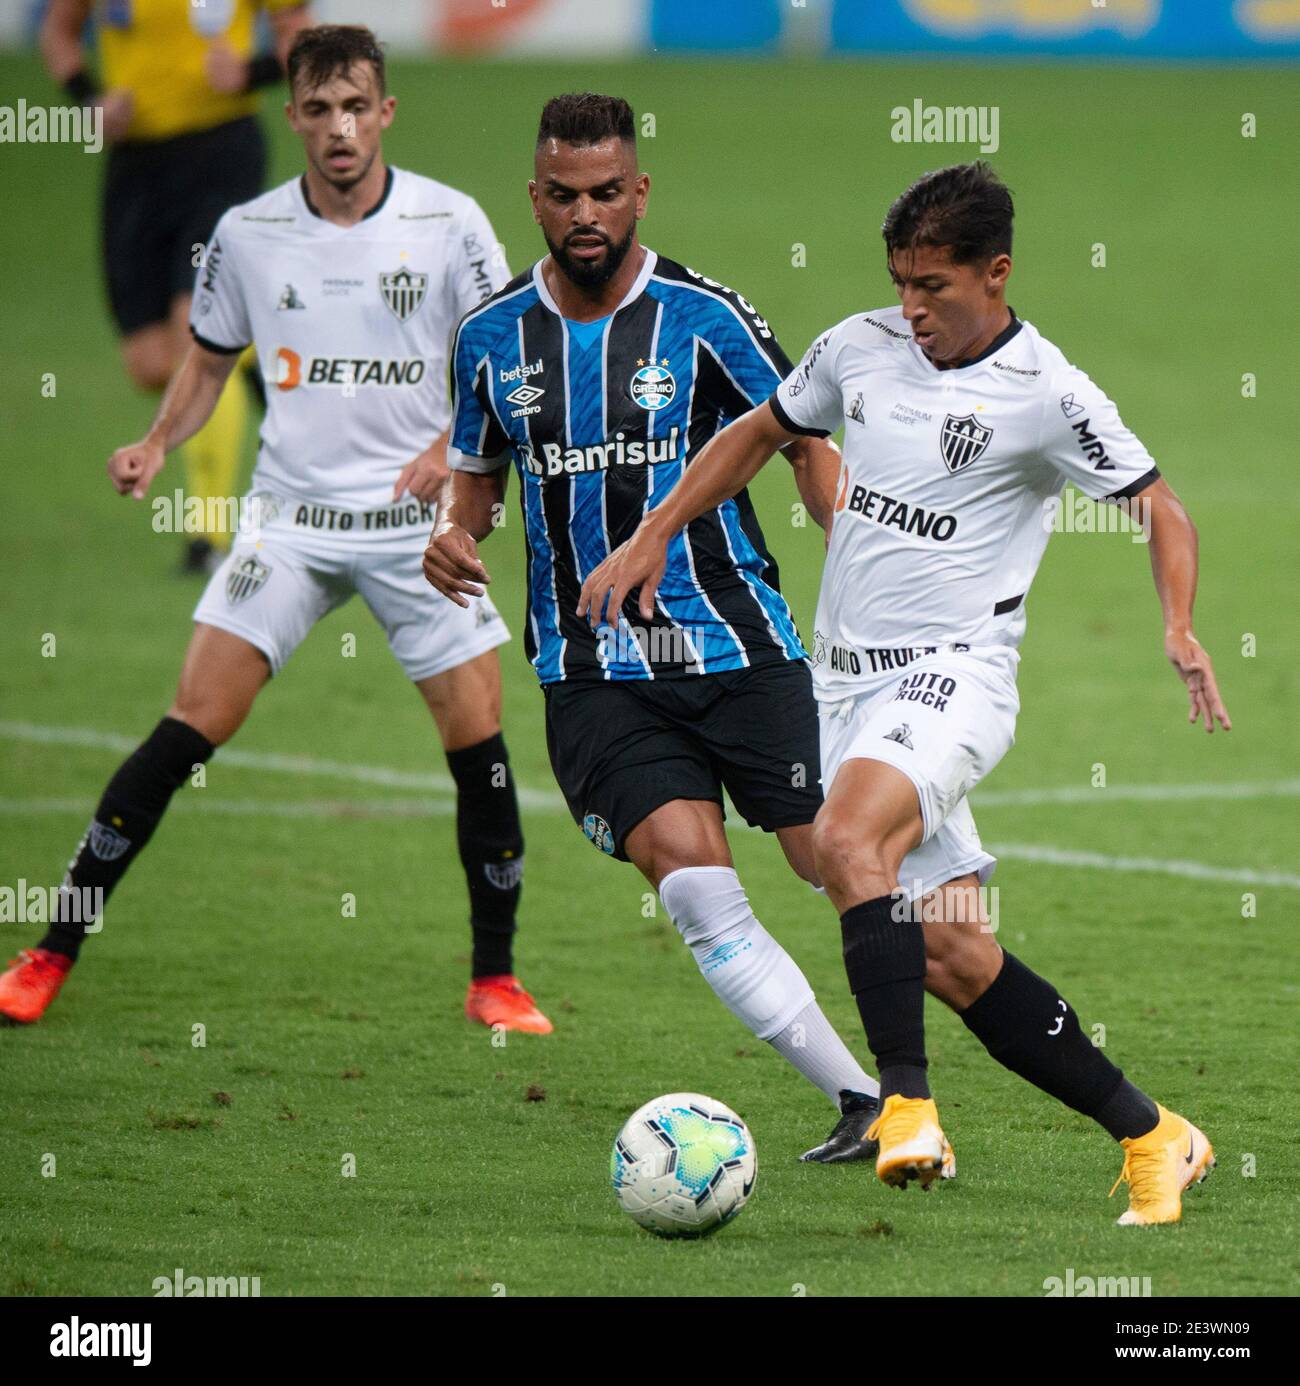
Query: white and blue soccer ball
{"points": [[683, 1165]]}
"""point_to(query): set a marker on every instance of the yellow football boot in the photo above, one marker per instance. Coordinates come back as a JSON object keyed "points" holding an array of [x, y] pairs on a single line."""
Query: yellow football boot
{"points": [[1159, 1166], [912, 1144]]}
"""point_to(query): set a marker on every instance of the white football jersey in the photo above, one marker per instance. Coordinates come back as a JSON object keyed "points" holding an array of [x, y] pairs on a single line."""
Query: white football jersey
{"points": [[939, 521], [352, 327]]}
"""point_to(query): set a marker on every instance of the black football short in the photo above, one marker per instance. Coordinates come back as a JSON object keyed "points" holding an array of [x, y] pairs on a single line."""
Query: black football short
{"points": [[622, 749], [161, 199]]}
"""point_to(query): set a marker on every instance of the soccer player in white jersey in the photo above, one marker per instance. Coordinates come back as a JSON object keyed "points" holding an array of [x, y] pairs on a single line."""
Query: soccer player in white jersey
{"points": [[349, 280], [961, 426]]}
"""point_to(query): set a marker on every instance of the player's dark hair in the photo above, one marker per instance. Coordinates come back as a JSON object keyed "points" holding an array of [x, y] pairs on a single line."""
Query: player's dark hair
{"points": [[965, 207], [585, 118], [329, 49]]}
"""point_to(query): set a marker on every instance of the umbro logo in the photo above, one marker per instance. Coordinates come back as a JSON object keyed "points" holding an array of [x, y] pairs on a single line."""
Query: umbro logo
{"points": [[525, 394], [723, 953], [903, 735]]}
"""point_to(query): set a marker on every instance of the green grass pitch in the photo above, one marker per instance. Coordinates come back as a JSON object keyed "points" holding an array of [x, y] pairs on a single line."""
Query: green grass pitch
{"points": [[329, 1036]]}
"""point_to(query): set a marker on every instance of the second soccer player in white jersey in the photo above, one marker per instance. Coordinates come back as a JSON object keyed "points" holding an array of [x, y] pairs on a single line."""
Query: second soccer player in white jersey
{"points": [[349, 281], [961, 424]]}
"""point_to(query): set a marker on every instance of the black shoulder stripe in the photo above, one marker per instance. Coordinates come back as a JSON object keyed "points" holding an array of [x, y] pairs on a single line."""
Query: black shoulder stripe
{"points": [[1132, 489], [761, 328], [209, 345], [789, 424]]}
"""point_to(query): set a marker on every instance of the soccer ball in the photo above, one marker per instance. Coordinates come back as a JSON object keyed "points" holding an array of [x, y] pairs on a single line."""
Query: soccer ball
{"points": [[683, 1165]]}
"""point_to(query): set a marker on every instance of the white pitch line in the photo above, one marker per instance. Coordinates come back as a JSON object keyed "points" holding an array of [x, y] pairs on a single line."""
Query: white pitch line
{"points": [[1081, 794], [1194, 870], [547, 801], [438, 808], [198, 802], [269, 761]]}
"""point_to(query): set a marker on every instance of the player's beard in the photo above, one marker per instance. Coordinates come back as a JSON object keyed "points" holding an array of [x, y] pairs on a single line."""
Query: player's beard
{"points": [[588, 275]]}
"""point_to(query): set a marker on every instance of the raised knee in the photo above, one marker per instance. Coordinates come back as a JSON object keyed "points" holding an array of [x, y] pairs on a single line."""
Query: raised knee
{"points": [[842, 845], [959, 967], [208, 718]]}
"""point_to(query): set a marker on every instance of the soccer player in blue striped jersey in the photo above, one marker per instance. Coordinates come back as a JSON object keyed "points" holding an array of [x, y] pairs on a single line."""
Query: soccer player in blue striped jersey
{"points": [[599, 374]]}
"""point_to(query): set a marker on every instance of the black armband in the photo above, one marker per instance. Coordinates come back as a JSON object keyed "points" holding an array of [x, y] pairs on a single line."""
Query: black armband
{"points": [[81, 87], [263, 71]]}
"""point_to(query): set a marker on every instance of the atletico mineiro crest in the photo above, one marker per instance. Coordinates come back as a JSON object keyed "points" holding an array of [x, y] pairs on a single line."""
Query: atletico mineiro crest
{"points": [[403, 291], [962, 441], [245, 579]]}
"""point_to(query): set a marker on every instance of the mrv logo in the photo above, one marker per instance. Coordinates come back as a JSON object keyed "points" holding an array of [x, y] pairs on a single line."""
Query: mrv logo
{"points": [[555, 460]]}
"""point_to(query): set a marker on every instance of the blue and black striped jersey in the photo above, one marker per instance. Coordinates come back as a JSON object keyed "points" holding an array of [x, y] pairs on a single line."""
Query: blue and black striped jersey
{"points": [[600, 420]]}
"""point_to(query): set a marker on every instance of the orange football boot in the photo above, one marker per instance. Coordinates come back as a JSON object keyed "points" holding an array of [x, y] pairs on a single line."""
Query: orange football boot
{"points": [[31, 983], [503, 1001]]}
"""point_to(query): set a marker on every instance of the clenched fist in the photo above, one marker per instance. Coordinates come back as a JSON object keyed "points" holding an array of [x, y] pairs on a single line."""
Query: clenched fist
{"points": [[132, 469]]}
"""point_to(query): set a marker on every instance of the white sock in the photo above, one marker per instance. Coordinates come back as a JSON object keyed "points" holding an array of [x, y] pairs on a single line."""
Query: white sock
{"points": [[755, 978], [813, 1047]]}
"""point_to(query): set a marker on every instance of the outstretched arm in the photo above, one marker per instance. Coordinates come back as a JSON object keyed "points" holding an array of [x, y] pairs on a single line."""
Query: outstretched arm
{"points": [[187, 404], [1174, 567], [725, 465]]}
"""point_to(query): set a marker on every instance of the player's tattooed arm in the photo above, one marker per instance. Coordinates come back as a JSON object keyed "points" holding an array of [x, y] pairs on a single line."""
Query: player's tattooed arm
{"points": [[816, 463], [468, 511], [1174, 566], [727, 463], [187, 404]]}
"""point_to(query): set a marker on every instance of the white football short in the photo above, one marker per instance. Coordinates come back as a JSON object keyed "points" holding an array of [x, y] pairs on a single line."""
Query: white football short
{"points": [[273, 591], [945, 720]]}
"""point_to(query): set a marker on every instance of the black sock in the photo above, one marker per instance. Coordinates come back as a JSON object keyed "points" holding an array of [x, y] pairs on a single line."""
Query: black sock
{"points": [[491, 843], [884, 957], [129, 811], [1027, 1027]]}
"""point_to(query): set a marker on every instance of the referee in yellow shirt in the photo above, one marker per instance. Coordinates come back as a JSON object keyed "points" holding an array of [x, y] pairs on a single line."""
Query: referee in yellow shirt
{"points": [[178, 88]]}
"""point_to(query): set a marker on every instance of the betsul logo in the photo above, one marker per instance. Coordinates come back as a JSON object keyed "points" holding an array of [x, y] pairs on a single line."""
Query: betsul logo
{"points": [[288, 369]]}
